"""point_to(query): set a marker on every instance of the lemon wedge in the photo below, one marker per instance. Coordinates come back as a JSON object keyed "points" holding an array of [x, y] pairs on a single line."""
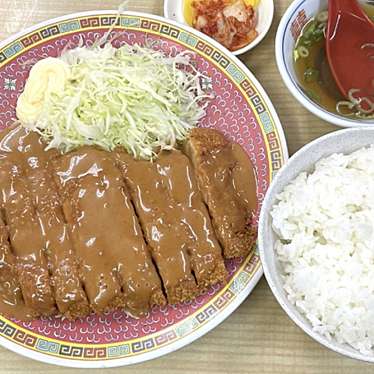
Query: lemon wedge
{"points": [[254, 3], [189, 12]]}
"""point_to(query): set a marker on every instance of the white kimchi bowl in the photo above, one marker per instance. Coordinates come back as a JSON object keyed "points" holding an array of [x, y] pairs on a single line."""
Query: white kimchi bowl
{"points": [[173, 9]]}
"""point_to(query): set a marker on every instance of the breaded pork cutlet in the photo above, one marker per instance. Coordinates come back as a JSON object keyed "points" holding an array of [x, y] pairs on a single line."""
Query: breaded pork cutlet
{"points": [[227, 182], [164, 234], [11, 299], [30, 159], [116, 267], [202, 246], [25, 233], [70, 297], [26, 238], [96, 230]]}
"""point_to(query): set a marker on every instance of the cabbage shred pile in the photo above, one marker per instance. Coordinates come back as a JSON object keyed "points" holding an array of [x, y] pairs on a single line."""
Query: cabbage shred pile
{"points": [[130, 96]]}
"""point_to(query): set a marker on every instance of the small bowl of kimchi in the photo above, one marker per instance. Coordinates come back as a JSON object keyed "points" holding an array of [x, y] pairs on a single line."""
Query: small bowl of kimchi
{"points": [[239, 25]]}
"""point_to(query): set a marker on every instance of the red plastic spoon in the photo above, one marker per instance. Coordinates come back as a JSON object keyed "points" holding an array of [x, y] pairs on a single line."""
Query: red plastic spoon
{"points": [[350, 48]]}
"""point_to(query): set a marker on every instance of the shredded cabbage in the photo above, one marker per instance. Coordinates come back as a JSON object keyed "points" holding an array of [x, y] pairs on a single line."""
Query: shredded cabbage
{"points": [[130, 96]]}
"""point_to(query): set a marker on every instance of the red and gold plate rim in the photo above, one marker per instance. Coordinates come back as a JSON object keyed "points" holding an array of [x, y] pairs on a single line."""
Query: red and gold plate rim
{"points": [[53, 350]]}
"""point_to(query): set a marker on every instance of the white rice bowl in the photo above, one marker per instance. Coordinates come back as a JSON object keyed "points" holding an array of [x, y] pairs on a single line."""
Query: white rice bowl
{"points": [[325, 227]]}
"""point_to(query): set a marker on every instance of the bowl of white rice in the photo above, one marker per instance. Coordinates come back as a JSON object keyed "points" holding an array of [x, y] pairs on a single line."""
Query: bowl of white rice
{"points": [[316, 240]]}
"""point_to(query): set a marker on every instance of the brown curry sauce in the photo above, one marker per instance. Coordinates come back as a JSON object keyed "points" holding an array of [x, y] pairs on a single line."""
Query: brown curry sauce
{"points": [[94, 231]]}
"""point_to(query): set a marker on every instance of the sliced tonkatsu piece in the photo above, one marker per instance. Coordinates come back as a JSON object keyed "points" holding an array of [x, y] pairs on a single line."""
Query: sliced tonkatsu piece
{"points": [[117, 267], [164, 235], [26, 237], [11, 299], [25, 234], [80, 194], [227, 182], [29, 151], [201, 243], [70, 297]]}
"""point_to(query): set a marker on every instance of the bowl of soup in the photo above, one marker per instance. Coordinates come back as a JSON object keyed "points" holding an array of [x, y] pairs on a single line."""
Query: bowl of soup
{"points": [[303, 64]]}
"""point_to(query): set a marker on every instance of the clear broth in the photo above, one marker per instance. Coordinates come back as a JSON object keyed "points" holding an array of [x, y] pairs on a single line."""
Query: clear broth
{"points": [[322, 90]]}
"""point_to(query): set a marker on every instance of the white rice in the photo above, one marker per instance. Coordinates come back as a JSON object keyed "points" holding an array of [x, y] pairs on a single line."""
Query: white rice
{"points": [[325, 224]]}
